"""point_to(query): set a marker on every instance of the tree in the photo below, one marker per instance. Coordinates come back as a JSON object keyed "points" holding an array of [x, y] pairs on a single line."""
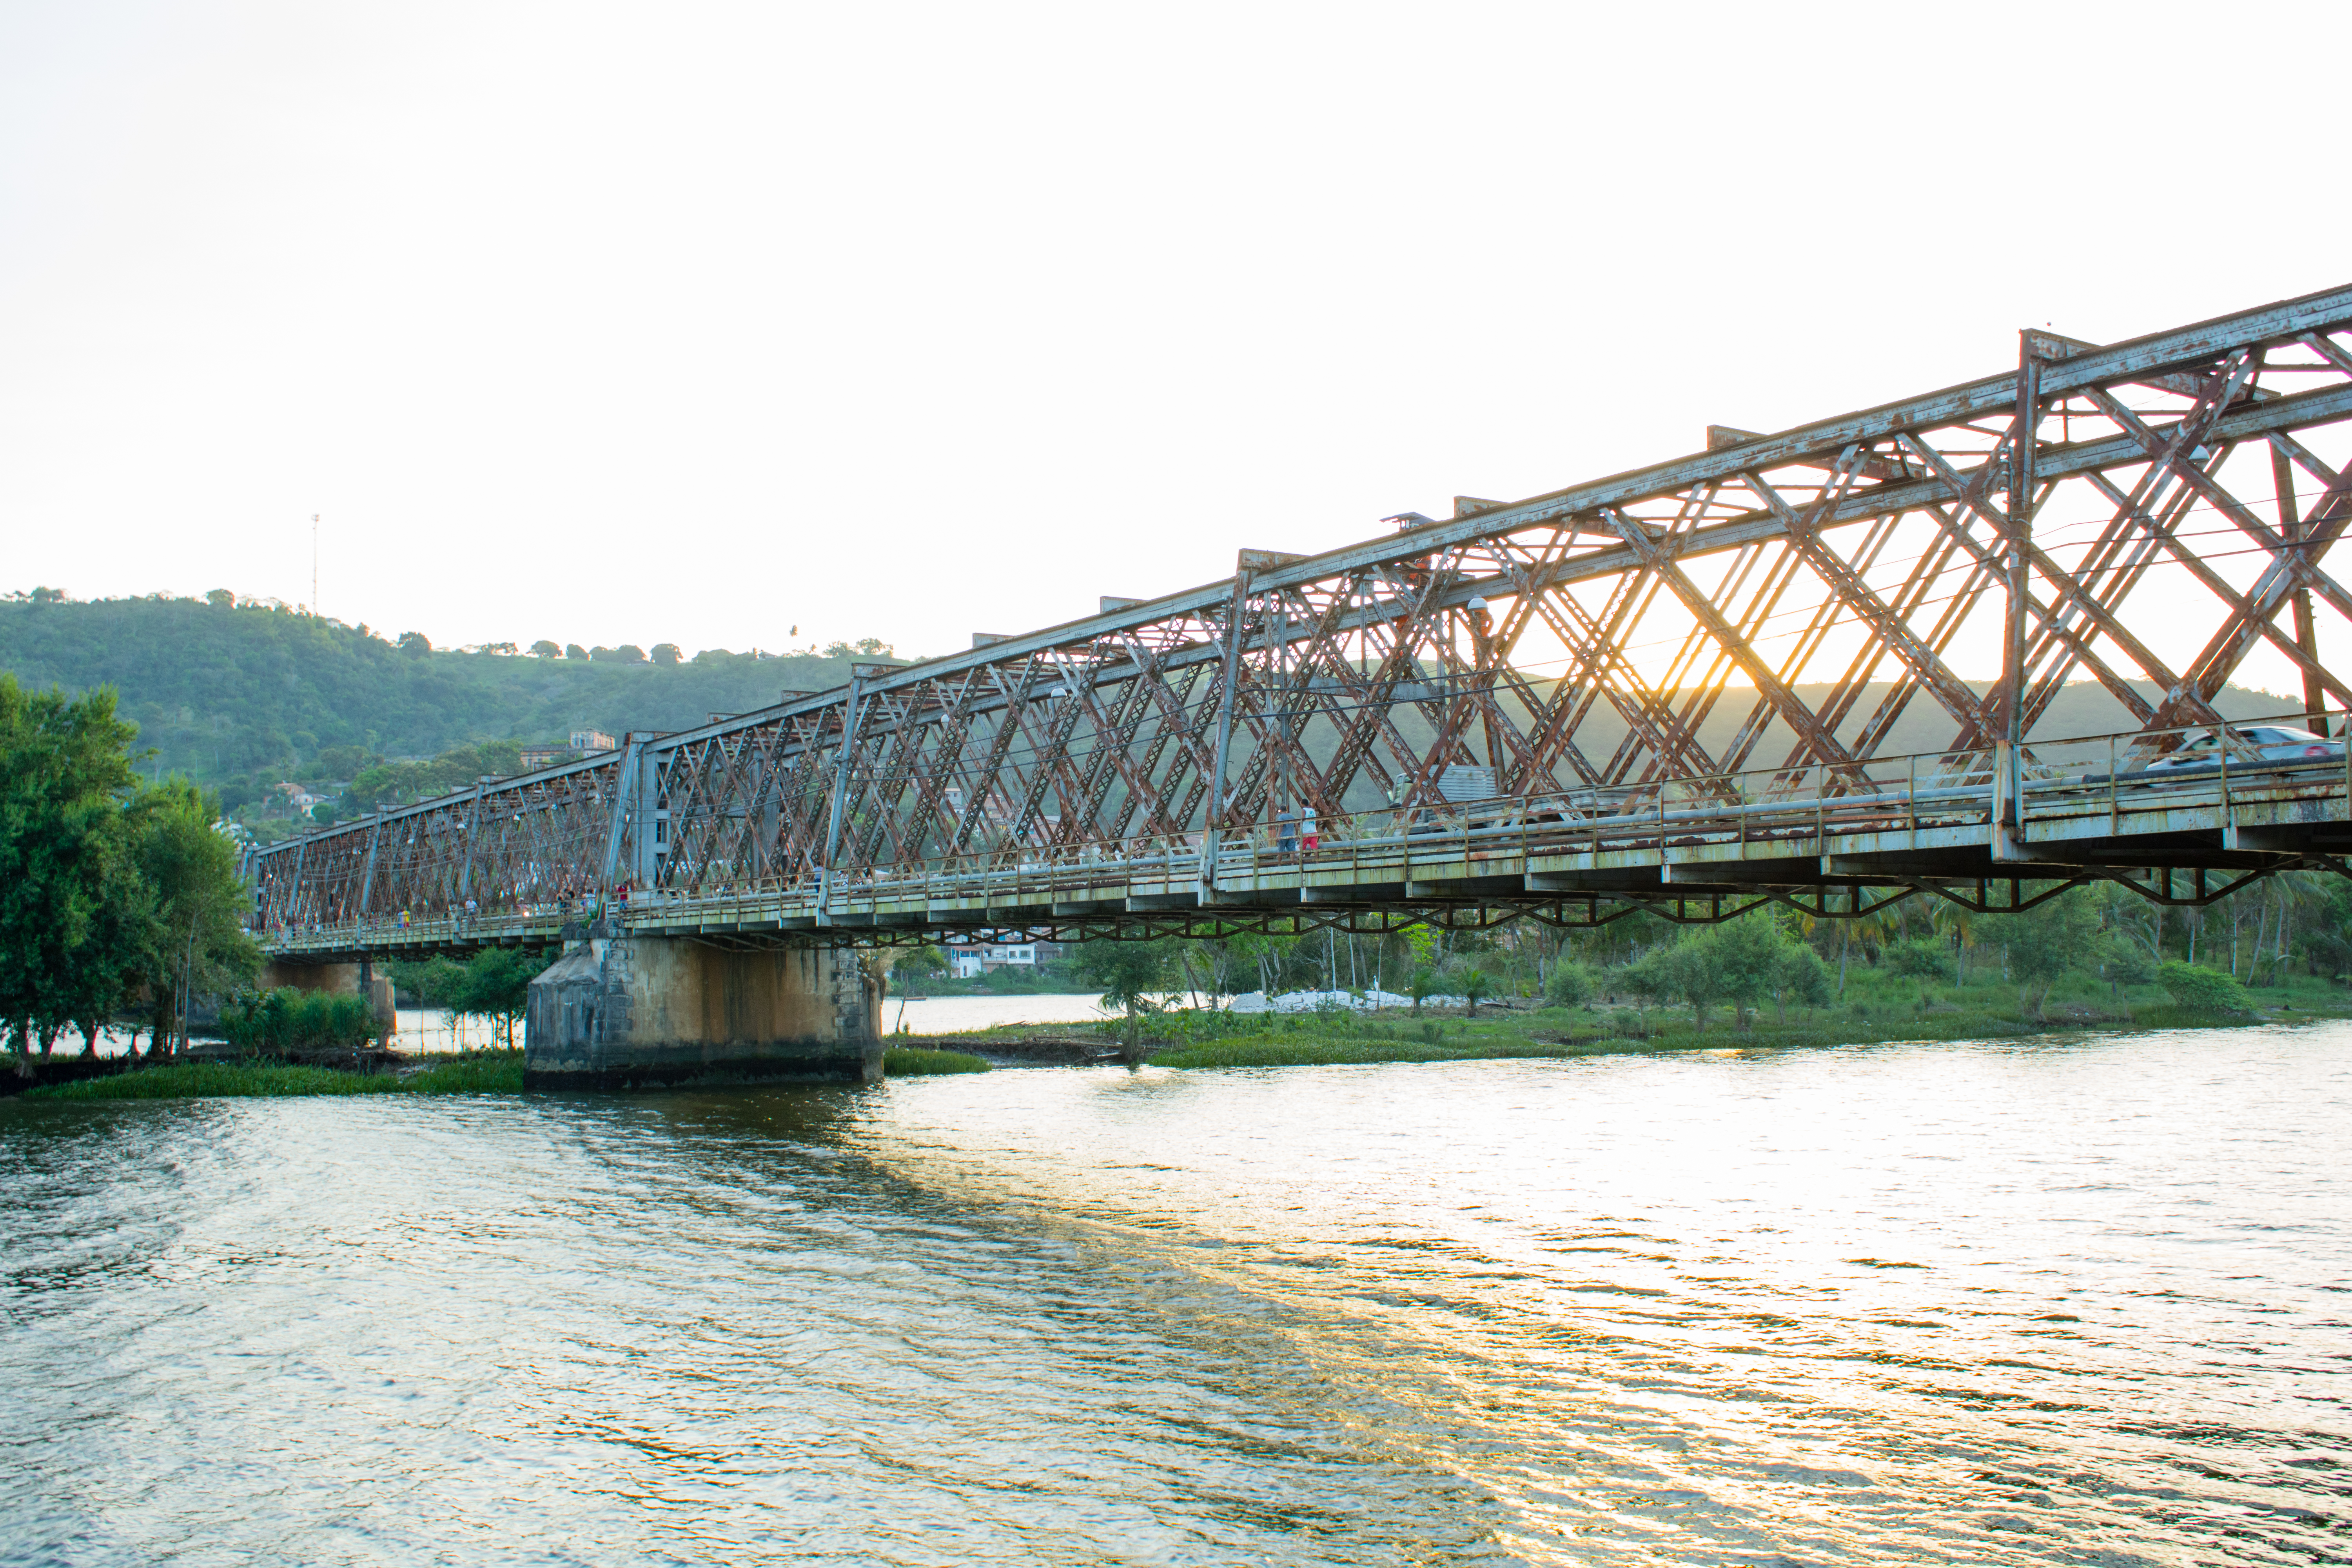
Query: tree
{"points": [[2125, 963], [1918, 958], [71, 921], [543, 648], [1742, 953], [1960, 923], [1799, 975], [200, 947], [667, 653], [1475, 983], [629, 653], [495, 986], [1651, 979], [1131, 975], [2326, 944], [2044, 941], [1687, 972], [415, 645], [574, 651]]}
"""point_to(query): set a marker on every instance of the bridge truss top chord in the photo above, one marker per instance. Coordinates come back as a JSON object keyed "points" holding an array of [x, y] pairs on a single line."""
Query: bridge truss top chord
{"points": [[1736, 634]]}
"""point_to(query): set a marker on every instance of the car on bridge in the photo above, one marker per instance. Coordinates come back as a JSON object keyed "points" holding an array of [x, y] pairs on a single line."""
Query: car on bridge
{"points": [[2254, 746]]}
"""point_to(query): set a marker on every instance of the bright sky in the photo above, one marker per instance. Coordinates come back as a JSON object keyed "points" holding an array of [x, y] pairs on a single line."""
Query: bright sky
{"points": [[697, 323]]}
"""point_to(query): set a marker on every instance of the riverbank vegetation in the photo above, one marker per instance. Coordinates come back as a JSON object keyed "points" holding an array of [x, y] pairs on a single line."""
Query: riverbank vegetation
{"points": [[478, 1072], [916, 1062], [113, 891], [493, 987], [483, 1072], [2086, 957]]}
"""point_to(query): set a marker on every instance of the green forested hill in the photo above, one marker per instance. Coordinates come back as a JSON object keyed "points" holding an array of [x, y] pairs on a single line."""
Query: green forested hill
{"points": [[240, 696]]}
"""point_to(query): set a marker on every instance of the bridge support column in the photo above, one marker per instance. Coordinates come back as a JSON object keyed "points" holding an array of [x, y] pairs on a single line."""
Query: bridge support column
{"points": [[618, 1011]]}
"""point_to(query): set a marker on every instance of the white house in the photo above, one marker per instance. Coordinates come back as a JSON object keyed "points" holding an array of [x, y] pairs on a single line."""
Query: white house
{"points": [[966, 959]]}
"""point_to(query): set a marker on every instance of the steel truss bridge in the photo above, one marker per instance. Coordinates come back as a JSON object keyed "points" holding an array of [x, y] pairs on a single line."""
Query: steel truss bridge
{"points": [[1673, 688]]}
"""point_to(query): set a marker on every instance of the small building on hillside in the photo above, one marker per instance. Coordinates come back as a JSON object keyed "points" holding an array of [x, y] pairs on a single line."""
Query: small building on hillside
{"points": [[293, 800], [977, 957], [584, 743]]}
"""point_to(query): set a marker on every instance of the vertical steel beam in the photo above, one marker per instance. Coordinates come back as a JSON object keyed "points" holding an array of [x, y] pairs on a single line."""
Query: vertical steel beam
{"points": [[473, 837], [624, 789], [1212, 826], [367, 876], [2024, 442], [852, 709], [2306, 636]]}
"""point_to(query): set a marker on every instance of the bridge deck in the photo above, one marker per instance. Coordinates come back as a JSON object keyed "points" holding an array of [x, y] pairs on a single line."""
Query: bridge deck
{"points": [[1475, 862]]}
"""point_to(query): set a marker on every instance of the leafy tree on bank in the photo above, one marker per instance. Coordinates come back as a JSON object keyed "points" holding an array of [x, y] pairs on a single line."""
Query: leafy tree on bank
{"points": [[1131, 975], [2123, 962], [201, 948], [2045, 943], [494, 986], [69, 926], [1919, 960], [1745, 953], [1799, 975]]}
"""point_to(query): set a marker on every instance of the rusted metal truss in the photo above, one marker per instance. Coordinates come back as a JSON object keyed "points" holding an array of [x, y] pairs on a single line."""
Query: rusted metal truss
{"points": [[1742, 628]]}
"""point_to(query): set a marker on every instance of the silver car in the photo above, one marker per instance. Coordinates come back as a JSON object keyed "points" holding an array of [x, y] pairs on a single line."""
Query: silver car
{"points": [[2256, 744]]}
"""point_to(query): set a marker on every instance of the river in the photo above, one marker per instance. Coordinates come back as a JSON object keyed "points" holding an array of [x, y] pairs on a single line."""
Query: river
{"points": [[2055, 1302]]}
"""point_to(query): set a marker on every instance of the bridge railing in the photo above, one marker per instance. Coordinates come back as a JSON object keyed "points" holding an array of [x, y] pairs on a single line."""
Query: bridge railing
{"points": [[1763, 813], [1765, 808]]}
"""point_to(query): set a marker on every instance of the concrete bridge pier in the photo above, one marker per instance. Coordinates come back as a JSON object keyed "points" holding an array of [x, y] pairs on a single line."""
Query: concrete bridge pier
{"points": [[336, 980], [617, 1011]]}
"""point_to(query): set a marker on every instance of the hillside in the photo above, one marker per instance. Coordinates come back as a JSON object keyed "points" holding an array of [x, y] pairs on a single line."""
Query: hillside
{"points": [[240, 696]]}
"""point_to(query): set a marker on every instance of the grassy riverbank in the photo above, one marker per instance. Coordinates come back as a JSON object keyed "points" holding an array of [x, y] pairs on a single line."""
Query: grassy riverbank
{"points": [[916, 1062], [1877, 1013], [1553, 1034], [490, 1072], [486, 1072]]}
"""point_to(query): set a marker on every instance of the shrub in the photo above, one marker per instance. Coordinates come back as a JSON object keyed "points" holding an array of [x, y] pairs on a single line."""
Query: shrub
{"points": [[1568, 986], [1919, 959], [2197, 989], [908, 1061], [286, 1019]]}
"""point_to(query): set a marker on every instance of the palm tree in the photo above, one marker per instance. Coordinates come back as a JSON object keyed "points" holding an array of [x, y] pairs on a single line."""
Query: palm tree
{"points": [[1957, 922]]}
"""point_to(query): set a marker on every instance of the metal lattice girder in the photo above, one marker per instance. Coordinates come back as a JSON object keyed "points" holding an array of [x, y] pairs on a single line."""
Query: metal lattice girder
{"points": [[1771, 608]]}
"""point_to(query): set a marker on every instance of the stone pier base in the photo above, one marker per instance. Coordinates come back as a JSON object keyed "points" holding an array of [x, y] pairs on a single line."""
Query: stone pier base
{"points": [[619, 1011]]}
